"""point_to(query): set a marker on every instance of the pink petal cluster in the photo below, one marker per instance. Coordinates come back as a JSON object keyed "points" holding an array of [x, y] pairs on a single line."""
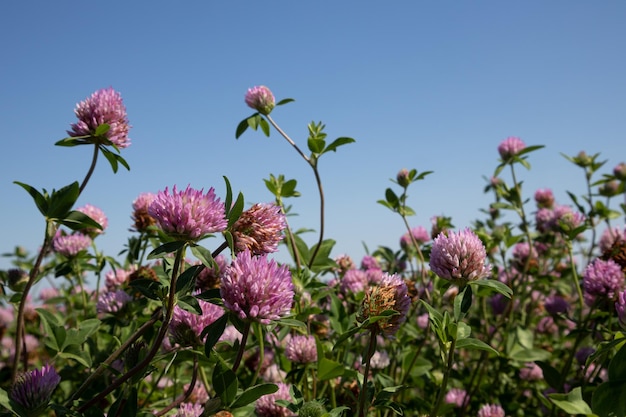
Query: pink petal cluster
{"points": [[257, 289], [266, 405], [186, 327], [491, 410], [301, 349], [459, 257], [602, 279], [259, 229], [96, 214], [510, 147], [103, 107], [70, 245], [419, 233], [111, 302], [261, 99], [189, 214]]}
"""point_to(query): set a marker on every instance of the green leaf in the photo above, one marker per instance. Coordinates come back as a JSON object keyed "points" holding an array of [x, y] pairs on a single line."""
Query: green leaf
{"points": [[77, 220], [224, 383], [74, 352], [284, 101], [40, 200], [337, 143], [213, 333], [292, 323], [61, 201], [242, 127], [572, 402], [462, 303], [236, 210], [617, 367], [608, 399], [149, 288], [204, 255], [493, 285], [252, 394], [265, 127], [186, 281], [329, 369], [316, 145], [475, 344], [190, 303], [164, 249]]}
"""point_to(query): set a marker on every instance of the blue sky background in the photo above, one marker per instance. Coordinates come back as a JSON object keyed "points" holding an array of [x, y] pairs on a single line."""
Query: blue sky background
{"points": [[426, 85]]}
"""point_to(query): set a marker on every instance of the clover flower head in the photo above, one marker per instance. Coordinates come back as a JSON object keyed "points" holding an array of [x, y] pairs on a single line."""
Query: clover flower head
{"points": [[112, 302], [403, 178], [70, 245], [189, 214], [105, 106], [186, 327], [390, 294], [209, 278], [510, 147], [96, 214], [555, 305], [301, 349], [531, 372], [369, 262], [609, 237], [457, 396], [380, 360], [419, 233], [544, 198], [256, 288], [190, 410], [141, 219], [353, 281], [602, 279], [33, 389], [459, 257], [491, 410], [261, 99], [620, 171], [259, 229], [266, 405]]}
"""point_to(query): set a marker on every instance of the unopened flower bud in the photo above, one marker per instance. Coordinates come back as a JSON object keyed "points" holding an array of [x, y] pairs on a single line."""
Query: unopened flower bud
{"points": [[261, 99], [620, 171], [404, 178]]}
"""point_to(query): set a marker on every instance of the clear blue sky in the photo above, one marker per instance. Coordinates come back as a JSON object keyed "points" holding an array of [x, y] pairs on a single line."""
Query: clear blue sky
{"points": [[426, 85]]}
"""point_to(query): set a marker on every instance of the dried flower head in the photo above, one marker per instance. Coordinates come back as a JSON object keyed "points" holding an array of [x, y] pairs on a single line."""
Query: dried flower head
{"points": [[189, 214], [261, 99], [33, 389], [103, 107], [390, 295], [459, 257], [141, 219], [259, 229], [257, 289]]}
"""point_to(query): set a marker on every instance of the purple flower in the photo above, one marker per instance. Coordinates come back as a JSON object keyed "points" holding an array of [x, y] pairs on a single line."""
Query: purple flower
{"points": [[186, 327], [257, 289], [602, 279], [369, 262], [189, 214], [420, 234], [98, 216], [259, 229], [209, 278], [266, 405], [609, 237], [459, 257], [491, 410], [103, 107], [620, 171], [556, 305], [390, 294], [531, 372], [33, 389], [141, 219], [620, 308], [261, 99], [70, 245], [354, 281], [380, 360], [117, 278], [544, 198], [301, 349], [510, 147], [457, 396], [111, 302], [190, 410]]}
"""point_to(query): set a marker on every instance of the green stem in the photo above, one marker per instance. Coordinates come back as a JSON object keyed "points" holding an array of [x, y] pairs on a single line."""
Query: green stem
{"points": [[258, 330], [94, 159], [362, 405], [171, 303], [242, 346], [446, 376]]}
